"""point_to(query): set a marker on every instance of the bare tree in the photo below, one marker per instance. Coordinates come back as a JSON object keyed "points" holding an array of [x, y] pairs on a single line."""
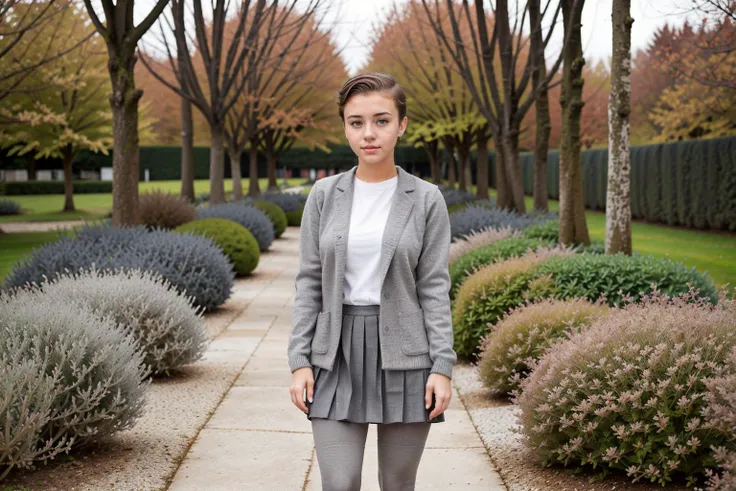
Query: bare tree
{"points": [[276, 82], [121, 36], [573, 228], [618, 194], [506, 105], [541, 107]]}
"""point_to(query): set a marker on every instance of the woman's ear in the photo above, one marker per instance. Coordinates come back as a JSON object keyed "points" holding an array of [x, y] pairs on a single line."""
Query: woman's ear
{"points": [[402, 126]]}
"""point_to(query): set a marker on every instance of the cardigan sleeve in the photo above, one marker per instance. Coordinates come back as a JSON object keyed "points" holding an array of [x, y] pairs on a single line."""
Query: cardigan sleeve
{"points": [[308, 285], [433, 285]]}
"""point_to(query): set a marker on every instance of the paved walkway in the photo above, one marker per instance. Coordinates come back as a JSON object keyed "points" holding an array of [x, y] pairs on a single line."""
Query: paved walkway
{"points": [[257, 440], [18, 227]]}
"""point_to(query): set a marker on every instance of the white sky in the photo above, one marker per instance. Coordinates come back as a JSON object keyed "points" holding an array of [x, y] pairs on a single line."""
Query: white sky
{"points": [[355, 21], [354, 28]]}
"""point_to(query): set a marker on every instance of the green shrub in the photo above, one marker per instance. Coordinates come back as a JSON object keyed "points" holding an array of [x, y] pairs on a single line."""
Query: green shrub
{"points": [[76, 378], [236, 241], [275, 214], [520, 339], [488, 294], [476, 240], [294, 218], [616, 276], [548, 231], [164, 210], [498, 251], [613, 277], [628, 393], [164, 322]]}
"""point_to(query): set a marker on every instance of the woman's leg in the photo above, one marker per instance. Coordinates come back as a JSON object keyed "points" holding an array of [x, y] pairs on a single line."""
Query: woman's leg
{"points": [[340, 447], [400, 448]]}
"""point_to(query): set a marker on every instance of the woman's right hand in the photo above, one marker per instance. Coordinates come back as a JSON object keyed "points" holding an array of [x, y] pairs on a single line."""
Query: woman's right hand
{"points": [[302, 378]]}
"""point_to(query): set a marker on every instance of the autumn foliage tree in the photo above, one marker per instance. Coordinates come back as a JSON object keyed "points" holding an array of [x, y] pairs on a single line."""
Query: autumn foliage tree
{"points": [[70, 108]]}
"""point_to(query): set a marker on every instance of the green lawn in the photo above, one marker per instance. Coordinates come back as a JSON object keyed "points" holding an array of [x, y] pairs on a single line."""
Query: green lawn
{"points": [[46, 208], [707, 251]]}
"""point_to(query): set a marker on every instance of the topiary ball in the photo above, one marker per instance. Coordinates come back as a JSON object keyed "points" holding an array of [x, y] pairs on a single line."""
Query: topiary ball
{"points": [[628, 393], [235, 241], [97, 370], [291, 203], [274, 213], [250, 217], [165, 324], [509, 353], [294, 218]]}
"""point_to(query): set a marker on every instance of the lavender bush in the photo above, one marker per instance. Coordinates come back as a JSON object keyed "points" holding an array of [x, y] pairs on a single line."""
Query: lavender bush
{"points": [[476, 217], [250, 217], [164, 323], [85, 373], [628, 394], [721, 414], [9, 207], [193, 264]]}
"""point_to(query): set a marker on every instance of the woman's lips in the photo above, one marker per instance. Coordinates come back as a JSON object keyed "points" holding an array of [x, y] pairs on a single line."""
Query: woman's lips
{"points": [[370, 149]]}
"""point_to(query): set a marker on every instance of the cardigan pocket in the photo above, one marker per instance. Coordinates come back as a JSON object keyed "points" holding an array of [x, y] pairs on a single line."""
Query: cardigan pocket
{"points": [[413, 333], [321, 340]]}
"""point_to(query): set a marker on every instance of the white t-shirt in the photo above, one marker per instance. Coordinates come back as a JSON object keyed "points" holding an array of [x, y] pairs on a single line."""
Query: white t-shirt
{"points": [[371, 205]]}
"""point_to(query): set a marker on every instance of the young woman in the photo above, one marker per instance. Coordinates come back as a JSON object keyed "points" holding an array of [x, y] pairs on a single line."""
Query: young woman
{"points": [[372, 335]]}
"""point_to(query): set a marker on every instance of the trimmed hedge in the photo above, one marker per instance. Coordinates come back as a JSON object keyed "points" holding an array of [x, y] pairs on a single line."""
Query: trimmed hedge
{"points": [[689, 183], [236, 241], [15, 188]]}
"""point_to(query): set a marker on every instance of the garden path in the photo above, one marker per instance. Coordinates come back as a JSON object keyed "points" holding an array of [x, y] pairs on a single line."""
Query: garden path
{"points": [[256, 439]]}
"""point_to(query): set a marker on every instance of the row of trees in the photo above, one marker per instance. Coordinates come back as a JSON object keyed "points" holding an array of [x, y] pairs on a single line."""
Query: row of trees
{"points": [[261, 75]]}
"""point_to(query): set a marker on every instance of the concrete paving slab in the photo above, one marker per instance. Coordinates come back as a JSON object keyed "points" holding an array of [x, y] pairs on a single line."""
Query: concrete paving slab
{"points": [[239, 460], [259, 408]]}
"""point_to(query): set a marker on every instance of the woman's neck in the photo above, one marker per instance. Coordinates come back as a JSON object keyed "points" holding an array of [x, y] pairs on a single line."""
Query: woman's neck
{"points": [[376, 172]]}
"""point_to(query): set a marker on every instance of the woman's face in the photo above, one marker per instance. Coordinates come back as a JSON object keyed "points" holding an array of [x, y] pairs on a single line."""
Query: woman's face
{"points": [[372, 126]]}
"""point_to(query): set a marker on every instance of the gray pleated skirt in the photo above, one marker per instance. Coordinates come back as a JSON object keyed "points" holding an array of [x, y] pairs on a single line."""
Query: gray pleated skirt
{"points": [[357, 389]]}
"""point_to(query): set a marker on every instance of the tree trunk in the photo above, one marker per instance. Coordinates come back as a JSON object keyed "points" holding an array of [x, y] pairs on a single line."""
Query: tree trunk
{"points": [[573, 229], [31, 166], [503, 196], [237, 174], [187, 150], [432, 148], [618, 194], [481, 190], [253, 188], [67, 159], [463, 150], [512, 170], [125, 152], [217, 164], [542, 119], [273, 184]]}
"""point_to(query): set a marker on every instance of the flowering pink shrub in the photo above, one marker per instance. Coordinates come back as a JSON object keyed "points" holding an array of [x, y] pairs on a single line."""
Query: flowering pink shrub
{"points": [[721, 413], [511, 350], [629, 393]]}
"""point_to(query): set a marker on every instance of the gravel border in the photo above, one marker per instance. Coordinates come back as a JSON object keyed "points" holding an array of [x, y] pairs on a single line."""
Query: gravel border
{"points": [[494, 418]]}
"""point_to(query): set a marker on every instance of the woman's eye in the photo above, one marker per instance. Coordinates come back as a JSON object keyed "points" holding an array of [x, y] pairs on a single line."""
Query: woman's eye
{"points": [[383, 121], [355, 124]]}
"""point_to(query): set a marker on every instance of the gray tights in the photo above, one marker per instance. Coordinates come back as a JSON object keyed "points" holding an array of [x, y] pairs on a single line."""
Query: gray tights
{"points": [[340, 447]]}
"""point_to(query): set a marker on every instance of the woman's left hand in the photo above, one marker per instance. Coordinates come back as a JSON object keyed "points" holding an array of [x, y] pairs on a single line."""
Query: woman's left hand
{"points": [[439, 385]]}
